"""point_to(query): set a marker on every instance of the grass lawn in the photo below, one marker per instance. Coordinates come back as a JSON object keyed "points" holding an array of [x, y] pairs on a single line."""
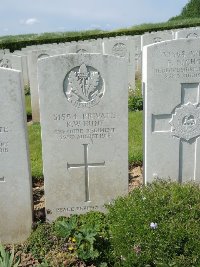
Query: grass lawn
{"points": [[35, 146], [28, 105], [135, 138], [135, 143]]}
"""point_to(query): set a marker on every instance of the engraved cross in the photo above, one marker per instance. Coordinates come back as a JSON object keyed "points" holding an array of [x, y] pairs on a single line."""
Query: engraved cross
{"points": [[183, 123], [86, 165]]}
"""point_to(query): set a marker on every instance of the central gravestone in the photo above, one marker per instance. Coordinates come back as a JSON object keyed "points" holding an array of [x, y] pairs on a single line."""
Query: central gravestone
{"points": [[83, 103], [172, 112]]}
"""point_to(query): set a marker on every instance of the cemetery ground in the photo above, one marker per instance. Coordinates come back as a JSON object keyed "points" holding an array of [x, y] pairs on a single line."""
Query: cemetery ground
{"points": [[155, 225]]}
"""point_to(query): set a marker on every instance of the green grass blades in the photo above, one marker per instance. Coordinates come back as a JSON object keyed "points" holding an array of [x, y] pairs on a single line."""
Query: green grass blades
{"points": [[7, 259], [28, 105], [135, 138], [35, 146]]}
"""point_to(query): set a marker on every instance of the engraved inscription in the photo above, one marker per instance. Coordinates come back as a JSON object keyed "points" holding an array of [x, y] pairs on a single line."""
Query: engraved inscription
{"points": [[85, 125], [3, 143], [86, 165], [83, 86], [80, 208], [186, 121], [119, 49], [179, 64], [5, 63], [3, 147]]}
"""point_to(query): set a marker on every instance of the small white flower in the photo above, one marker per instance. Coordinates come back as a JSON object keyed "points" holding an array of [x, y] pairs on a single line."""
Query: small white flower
{"points": [[144, 198], [153, 225]]}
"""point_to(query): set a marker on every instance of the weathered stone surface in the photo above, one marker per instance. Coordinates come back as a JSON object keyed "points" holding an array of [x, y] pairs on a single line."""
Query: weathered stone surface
{"points": [[82, 48], [83, 104], [156, 37], [188, 33], [172, 113], [15, 179], [33, 57], [122, 48]]}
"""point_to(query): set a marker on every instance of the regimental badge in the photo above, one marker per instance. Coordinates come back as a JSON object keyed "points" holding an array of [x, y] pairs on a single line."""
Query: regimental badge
{"points": [[5, 63], [186, 121], [83, 86], [119, 49], [157, 40]]}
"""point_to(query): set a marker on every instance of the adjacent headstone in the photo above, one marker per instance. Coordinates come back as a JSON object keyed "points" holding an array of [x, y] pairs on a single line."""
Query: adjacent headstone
{"points": [[83, 105], [172, 113], [122, 48], [15, 179]]}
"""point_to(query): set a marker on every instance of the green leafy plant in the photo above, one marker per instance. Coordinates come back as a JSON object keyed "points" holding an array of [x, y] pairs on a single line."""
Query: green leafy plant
{"points": [[157, 225], [7, 259], [86, 235], [190, 10], [135, 100], [41, 241]]}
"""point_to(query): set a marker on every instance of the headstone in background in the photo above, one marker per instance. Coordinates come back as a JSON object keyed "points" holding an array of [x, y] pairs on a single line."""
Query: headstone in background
{"points": [[122, 48], [172, 112], [82, 48], [24, 65], [33, 57], [138, 53], [156, 37], [188, 33], [83, 105], [15, 178], [17, 62]]}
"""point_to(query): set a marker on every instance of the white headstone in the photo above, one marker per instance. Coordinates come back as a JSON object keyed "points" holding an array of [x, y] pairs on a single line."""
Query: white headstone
{"points": [[83, 105], [122, 48], [33, 57], [15, 179], [24, 66], [156, 37], [188, 33], [172, 113], [17, 62], [82, 48]]}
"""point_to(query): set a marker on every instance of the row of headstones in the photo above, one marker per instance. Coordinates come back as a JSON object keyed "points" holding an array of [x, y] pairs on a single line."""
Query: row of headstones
{"points": [[84, 123], [129, 47], [140, 42]]}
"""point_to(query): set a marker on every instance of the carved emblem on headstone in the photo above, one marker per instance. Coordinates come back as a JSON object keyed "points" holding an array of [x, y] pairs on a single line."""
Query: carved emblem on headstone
{"points": [[83, 86], [5, 63], [43, 56], [192, 35], [186, 121], [157, 39], [119, 49], [81, 51]]}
